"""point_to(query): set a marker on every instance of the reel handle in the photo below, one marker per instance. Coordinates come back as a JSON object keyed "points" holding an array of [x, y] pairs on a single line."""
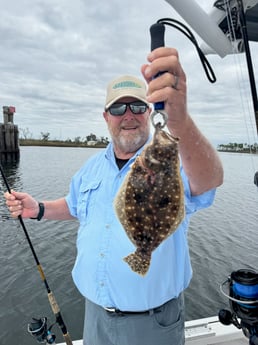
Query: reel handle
{"points": [[157, 32]]}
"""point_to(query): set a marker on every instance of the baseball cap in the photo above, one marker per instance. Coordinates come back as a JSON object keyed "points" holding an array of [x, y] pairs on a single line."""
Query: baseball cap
{"points": [[125, 86]]}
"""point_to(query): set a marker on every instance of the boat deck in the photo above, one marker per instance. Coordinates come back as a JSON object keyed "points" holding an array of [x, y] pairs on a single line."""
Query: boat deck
{"points": [[208, 331]]}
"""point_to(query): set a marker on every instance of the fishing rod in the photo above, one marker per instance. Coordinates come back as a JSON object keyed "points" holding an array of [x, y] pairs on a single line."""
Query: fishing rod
{"points": [[248, 60], [38, 327], [236, 28]]}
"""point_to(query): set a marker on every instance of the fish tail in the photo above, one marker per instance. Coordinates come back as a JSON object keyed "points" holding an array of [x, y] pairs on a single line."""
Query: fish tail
{"points": [[139, 263]]}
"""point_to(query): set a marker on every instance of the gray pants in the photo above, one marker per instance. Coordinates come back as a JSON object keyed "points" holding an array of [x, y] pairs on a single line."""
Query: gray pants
{"points": [[165, 326]]}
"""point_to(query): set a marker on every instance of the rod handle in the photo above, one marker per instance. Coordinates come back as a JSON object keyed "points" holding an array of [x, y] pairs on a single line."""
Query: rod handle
{"points": [[53, 303], [157, 32], [59, 318], [67, 339]]}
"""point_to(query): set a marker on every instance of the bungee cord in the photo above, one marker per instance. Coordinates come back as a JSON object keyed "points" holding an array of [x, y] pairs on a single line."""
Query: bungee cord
{"points": [[187, 32]]}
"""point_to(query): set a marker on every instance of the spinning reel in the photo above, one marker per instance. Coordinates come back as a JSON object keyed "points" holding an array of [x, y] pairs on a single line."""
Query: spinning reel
{"points": [[243, 300], [38, 329]]}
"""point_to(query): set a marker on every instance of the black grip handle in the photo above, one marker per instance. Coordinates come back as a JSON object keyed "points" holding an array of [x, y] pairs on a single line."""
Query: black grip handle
{"points": [[157, 32]]}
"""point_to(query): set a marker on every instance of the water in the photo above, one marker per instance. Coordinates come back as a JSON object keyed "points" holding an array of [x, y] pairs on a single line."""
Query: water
{"points": [[222, 239]]}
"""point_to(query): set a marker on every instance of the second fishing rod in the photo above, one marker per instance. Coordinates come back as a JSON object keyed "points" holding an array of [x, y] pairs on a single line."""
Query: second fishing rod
{"points": [[38, 328]]}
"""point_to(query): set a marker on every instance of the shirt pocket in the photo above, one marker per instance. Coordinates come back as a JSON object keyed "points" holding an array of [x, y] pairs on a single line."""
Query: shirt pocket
{"points": [[87, 199]]}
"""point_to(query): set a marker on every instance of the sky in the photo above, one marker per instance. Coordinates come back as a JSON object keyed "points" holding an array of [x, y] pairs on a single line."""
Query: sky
{"points": [[57, 57]]}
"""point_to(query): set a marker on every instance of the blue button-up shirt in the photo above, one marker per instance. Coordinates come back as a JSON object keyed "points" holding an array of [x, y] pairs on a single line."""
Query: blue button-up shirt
{"points": [[100, 273]]}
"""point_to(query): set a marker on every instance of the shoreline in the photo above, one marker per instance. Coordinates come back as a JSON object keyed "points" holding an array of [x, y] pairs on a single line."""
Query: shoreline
{"points": [[237, 151], [58, 143], [99, 144]]}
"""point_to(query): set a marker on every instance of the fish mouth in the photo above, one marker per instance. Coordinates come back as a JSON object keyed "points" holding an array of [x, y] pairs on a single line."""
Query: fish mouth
{"points": [[150, 175], [145, 163]]}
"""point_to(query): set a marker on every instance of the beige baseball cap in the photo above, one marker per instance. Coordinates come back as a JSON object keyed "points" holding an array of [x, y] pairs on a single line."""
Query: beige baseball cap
{"points": [[125, 86]]}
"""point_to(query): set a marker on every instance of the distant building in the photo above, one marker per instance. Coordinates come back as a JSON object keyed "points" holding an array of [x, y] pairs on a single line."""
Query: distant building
{"points": [[91, 142]]}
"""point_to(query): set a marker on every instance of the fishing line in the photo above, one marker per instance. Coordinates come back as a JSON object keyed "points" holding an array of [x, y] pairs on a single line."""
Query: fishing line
{"points": [[234, 32], [53, 303], [232, 25]]}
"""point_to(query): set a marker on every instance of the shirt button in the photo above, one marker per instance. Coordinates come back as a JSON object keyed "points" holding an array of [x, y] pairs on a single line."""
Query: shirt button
{"points": [[107, 226], [102, 255]]}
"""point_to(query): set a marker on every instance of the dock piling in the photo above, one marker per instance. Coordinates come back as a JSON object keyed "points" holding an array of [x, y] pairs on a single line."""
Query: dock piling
{"points": [[9, 137]]}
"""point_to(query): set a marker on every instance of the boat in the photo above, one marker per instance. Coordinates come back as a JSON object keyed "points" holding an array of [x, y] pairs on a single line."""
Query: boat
{"points": [[218, 39], [227, 29]]}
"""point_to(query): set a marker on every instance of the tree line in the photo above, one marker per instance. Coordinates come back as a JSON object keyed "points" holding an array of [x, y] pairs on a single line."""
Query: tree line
{"points": [[238, 147], [26, 138]]}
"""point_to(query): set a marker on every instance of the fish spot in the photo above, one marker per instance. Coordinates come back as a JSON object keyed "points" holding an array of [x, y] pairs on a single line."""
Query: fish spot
{"points": [[164, 201], [139, 198], [142, 237], [135, 220]]}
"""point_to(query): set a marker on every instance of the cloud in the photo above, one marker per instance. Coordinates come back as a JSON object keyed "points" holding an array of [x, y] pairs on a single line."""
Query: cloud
{"points": [[58, 56]]}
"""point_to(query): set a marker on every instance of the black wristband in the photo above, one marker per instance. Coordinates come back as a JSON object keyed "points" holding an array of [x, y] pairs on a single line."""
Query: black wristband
{"points": [[41, 211]]}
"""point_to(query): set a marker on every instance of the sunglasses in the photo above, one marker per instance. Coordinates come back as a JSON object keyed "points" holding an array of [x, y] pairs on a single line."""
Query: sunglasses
{"points": [[119, 109]]}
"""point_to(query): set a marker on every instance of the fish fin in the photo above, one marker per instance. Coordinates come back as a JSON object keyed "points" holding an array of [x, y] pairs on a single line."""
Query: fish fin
{"points": [[138, 263]]}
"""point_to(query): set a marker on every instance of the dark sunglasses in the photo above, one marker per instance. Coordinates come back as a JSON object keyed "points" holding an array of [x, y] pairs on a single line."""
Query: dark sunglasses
{"points": [[118, 109]]}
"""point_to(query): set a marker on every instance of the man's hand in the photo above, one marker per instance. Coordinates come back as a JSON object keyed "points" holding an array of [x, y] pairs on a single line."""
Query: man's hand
{"points": [[21, 204]]}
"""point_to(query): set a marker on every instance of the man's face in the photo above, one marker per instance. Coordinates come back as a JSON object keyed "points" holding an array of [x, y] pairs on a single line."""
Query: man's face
{"points": [[129, 131]]}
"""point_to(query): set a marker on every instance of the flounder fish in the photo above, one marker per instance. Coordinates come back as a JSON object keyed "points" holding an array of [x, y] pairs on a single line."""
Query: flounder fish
{"points": [[150, 202]]}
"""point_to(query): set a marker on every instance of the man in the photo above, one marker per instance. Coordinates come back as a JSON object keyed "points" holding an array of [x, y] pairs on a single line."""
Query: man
{"points": [[123, 308]]}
